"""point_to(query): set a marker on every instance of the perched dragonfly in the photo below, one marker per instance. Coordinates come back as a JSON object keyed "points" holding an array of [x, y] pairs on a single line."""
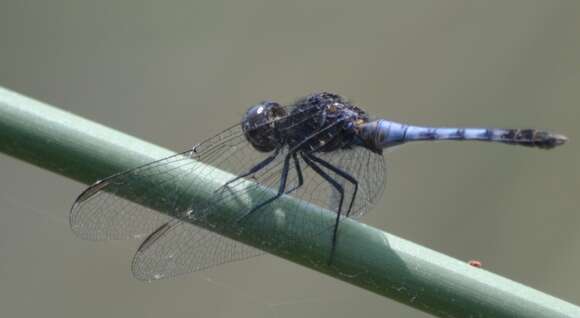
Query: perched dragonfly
{"points": [[322, 150]]}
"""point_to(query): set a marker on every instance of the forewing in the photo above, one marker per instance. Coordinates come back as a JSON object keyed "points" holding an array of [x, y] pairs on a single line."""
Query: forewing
{"points": [[102, 211]]}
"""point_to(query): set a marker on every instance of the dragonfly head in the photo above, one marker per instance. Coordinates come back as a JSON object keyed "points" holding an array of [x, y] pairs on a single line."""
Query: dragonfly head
{"points": [[260, 125]]}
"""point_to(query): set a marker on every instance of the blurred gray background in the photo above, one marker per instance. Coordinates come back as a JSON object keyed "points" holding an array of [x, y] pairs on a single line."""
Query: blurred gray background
{"points": [[176, 72]]}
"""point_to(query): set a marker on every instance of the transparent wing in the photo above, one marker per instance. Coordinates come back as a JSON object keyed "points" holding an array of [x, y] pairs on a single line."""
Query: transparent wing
{"points": [[101, 212], [176, 247], [368, 168]]}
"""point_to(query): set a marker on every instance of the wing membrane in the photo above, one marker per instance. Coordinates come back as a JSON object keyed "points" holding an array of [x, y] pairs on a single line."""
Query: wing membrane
{"points": [[179, 248], [175, 247]]}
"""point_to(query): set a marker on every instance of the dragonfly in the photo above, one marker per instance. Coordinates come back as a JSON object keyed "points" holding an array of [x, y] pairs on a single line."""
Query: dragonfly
{"points": [[321, 150]]}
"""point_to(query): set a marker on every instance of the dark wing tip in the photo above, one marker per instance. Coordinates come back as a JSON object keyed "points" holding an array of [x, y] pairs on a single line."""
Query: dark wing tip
{"points": [[91, 190], [136, 265], [85, 195]]}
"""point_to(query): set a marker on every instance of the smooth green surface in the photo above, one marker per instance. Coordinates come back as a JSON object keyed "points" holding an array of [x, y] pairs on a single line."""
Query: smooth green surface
{"points": [[366, 257]]}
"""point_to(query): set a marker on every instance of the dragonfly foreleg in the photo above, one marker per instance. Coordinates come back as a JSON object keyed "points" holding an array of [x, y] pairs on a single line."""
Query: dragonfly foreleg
{"points": [[281, 189], [255, 168], [298, 172]]}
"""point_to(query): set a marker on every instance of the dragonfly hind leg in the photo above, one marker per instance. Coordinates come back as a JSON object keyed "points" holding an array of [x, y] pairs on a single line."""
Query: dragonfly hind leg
{"points": [[307, 158], [341, 173]]}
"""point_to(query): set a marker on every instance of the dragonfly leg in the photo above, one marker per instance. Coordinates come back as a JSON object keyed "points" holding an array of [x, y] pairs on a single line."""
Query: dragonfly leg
{"points": [[341, 173], [338, 188], [255, 168], [281, 189], [298, 172], [291, 152]]}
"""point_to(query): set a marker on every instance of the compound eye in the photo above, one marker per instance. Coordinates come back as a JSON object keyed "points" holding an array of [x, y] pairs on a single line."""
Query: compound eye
{"points": [[259, 125], [264, 113], [273, 110]]}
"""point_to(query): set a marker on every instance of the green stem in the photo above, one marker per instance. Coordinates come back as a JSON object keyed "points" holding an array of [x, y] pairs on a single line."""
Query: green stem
{"points": [[366, 257]]}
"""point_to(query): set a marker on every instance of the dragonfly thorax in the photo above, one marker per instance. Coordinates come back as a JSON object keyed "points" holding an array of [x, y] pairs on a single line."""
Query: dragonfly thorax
{"points": [[323, 122], [320, 122]]}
